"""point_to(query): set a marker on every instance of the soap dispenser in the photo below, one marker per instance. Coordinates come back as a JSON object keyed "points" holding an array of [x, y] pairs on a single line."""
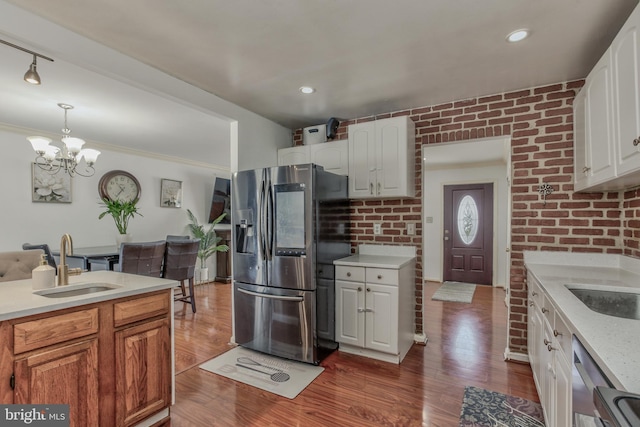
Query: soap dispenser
{"points": [[43, 276]]}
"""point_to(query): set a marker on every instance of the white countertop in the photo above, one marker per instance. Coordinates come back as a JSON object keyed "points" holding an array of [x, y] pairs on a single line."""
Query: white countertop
{"points": [[18, 300], [376, 261], [380, 256], [613, 342]]}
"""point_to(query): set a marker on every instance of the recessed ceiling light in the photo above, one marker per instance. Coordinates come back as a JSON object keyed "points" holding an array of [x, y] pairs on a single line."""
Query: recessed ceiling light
{"points": [[517, 35], [307, 89]]}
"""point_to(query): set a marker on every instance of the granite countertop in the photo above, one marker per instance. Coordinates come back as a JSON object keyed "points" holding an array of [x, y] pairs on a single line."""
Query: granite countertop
{"points": [[18, 300], [613, 342], [377, 261], [380, 256]]}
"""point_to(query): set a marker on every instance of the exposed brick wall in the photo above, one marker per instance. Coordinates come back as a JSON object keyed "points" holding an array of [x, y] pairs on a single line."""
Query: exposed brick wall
{"points": [[540, 123]]}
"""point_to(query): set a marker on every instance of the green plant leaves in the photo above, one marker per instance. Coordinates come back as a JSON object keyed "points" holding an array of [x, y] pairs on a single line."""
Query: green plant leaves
{"points": [[209, 242], [121, 212]]}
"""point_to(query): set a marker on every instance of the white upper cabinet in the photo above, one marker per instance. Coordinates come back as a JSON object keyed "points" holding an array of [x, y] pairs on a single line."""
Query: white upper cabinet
{"points": [[381, 158], [624, 55], [607, 129], [333, 156]]}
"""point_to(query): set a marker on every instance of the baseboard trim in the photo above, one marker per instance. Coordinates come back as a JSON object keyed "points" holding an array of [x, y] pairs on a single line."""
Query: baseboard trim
{"points": [[420, 339], [515, 357]]}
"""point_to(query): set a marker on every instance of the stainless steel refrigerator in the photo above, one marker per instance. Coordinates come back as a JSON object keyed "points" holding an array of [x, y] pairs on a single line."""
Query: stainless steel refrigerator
{"points": [[288, 225]]}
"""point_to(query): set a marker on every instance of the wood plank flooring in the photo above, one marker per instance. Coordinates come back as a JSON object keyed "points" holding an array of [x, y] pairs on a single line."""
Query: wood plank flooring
{"points": [[465, 347]]}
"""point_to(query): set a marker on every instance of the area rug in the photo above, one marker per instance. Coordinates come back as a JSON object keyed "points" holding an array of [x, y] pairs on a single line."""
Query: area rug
{"points": [[455, 291], [273, 374], [485, 408]]}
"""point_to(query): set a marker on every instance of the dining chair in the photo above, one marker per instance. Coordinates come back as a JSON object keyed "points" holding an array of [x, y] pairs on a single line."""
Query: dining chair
{"points": [[180, 264], [50, 259], [18, 265], [142, 258], [174, 237]]}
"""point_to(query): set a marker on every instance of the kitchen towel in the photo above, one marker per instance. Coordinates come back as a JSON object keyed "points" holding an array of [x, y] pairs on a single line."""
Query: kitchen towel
{"points": [[273, 374], [455, 291]]}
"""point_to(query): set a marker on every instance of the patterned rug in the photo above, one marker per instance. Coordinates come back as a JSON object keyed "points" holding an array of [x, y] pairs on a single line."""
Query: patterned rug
{"points": [[455, 291], [485, 408]]}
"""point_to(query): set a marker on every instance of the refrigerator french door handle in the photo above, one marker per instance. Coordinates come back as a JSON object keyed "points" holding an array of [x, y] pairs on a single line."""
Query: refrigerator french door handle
{"points": [[270, 221], [262, 220], [269, 296]]}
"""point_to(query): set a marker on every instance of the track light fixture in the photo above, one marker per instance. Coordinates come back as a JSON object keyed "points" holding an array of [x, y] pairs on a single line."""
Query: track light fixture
{"points": [[31, 76]]}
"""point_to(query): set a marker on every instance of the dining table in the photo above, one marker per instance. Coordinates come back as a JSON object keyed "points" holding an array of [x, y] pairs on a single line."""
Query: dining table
{"points": [[107, 256]]}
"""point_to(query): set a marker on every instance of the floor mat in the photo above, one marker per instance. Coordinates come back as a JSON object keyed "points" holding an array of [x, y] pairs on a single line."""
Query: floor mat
{"points": [[273, 374], [485, 408], [455, 291]]}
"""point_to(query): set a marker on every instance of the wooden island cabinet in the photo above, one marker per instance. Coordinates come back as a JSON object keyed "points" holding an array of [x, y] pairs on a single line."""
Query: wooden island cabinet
{"points": [[110, 361]]}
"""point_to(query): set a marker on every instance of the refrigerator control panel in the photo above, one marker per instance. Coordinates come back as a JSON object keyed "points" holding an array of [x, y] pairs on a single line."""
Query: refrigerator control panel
{"points": [[291, 252]]}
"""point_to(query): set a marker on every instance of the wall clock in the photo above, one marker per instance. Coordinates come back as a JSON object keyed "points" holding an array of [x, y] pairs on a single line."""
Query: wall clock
{"points": [[119, 185]]}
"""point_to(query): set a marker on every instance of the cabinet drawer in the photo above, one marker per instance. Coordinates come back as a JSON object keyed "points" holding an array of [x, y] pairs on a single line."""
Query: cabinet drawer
{"points": [[140, 308], [55, 329], [562, 335], [352, 274], [382, 276]]}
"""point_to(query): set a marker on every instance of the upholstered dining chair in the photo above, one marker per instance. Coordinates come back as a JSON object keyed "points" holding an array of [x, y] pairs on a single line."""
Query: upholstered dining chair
{"points": [[50, 259], [180, 264], [18, 265], [142, 258]]}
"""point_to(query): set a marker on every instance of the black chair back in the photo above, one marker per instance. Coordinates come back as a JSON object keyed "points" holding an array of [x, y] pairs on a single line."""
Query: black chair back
{"points": [[142, 258], [50, 259], [180, 264]]}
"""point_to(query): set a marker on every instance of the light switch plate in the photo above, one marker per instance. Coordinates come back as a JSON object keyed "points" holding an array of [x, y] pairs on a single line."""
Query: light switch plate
{"points": [[377, 228], [411, 229]]}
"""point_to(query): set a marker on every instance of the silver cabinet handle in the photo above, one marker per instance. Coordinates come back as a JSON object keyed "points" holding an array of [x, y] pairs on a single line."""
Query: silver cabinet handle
{"points": [[359, 288], [636, 142], [371, 187], [544, 310], [551, 348], [379, 276], [556, 333], [368, 289], [379, 188], [586, 169], [348, 274], [534, 293], [365, 310], [546, 342]]}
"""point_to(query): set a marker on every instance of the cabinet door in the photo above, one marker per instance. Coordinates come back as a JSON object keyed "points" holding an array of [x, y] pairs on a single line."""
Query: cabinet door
{"points": [[362, 160], [563, 402], [65, 375], [600, 158], [547, 374], [580, 168], [381, 324], [143, 371], [332, 156], [391, 157], [350, 313], [626, 81], [293, 155]]}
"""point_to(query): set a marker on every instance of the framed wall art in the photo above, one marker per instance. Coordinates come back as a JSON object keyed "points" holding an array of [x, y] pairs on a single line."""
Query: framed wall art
{"points": [[50, 188], [170, 193]]}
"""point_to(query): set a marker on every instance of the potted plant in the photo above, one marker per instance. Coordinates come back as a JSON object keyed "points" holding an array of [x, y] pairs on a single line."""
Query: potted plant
{"points": [[209, 243], [122, 212]]}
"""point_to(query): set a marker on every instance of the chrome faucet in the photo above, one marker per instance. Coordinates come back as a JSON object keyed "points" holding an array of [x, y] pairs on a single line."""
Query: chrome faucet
{"points": [[66, 248]]}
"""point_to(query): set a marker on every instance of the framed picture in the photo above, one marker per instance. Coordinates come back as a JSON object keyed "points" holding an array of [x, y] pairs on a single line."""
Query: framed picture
{"points": [[50, 188], [170, 193]]}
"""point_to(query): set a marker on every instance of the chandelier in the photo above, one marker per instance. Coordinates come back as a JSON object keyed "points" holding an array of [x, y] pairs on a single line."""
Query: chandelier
{"points": [[53, 159]]}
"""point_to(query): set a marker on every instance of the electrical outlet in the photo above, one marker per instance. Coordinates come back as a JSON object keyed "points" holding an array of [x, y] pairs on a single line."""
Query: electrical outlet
{"points": [[377, 228], [411, 229]]}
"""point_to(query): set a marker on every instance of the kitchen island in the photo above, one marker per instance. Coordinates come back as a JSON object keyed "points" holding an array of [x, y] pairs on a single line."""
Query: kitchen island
{"points": [[104, 346]]}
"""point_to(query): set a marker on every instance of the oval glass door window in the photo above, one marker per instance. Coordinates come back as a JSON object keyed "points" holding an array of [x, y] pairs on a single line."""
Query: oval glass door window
{"points": [[467, 219]]}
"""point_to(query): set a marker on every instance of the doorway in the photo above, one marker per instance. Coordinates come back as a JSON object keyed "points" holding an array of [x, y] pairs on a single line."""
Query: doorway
{"points": [[468, 233]]}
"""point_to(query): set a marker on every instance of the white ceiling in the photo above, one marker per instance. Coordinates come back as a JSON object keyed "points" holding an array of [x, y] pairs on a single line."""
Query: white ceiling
{"points": [[364, 57]]}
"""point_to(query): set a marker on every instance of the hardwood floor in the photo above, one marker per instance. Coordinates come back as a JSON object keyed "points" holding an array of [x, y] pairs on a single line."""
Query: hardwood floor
{"points": [[465, 347]]}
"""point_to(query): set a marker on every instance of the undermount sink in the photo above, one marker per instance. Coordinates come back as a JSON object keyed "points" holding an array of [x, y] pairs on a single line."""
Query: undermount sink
{"points": [[618, 304], [75, 290]]}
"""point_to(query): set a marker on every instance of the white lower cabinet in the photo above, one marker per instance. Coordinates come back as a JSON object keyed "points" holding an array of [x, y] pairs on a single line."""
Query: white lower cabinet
{"points": [[550, 355], [374, 311]]}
